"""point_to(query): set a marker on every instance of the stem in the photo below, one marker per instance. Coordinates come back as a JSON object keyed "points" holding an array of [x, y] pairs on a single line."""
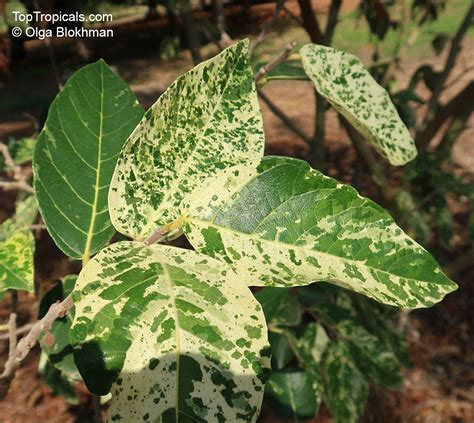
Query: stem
{"points": [[450, 62], [317, 143], [16, 173], [284, 118], [272, 64], [310, 22], [20, 351], [266, 26], [156, 236]]}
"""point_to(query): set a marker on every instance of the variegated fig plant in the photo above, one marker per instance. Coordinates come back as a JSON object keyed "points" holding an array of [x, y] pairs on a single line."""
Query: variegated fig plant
{"points": [[177, 335]]}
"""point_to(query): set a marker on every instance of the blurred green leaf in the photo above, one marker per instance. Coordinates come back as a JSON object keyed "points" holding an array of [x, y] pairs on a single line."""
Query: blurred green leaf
{"points": [[280, 306], [291, 395], [57, 382], [281, 350], [60, 353], [345, 387]]}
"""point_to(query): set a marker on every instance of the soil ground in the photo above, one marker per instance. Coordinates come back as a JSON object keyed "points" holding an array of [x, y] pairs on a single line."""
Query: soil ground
{"points": [[439, 387]]}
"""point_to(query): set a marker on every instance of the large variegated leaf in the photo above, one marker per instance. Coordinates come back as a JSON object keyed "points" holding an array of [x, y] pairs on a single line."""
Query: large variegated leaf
{"points": [[173, 333], [342, 79], [75, 157], [281, 223], [207, 116], [16, 262]]}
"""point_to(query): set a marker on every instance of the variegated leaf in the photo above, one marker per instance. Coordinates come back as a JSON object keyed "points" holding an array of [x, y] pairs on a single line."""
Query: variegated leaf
{"points": [[342, 79], [75, 156], [173, 333], [281, 223], [208, 116], [16, 262], [346, 389]]}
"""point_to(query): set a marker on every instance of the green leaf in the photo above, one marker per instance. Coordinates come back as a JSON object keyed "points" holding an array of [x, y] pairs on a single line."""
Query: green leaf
{"points": [[60, 353], [281, 350], [280, 306], [345, 387], [75, 156], [291, 395], [16, 262], [56, 381], [342, 79], [173, 333], [25, 214], [207, 116], [281, 223]]}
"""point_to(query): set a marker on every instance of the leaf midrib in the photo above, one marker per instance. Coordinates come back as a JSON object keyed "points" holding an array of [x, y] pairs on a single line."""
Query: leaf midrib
{"points": [[90, 233]]}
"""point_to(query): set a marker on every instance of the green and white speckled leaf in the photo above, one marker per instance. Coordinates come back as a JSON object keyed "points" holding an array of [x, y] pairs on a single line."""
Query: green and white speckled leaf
{"points": [[208, 116], [16, 262], [291, 395], [281, 223], [346, 389], [343, 80], [75, 156], [174, 334], [25, 214]]}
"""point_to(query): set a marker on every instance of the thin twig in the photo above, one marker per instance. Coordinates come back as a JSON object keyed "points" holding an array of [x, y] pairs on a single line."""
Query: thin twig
{"points": [[26, 343], [266, 26], [52, 58], [272, 64], [19, 331], [284, 118], [16, 173], [12, 334], [13, 185], [293, 15], [443, 77], [15, 169], [155, 237]]}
